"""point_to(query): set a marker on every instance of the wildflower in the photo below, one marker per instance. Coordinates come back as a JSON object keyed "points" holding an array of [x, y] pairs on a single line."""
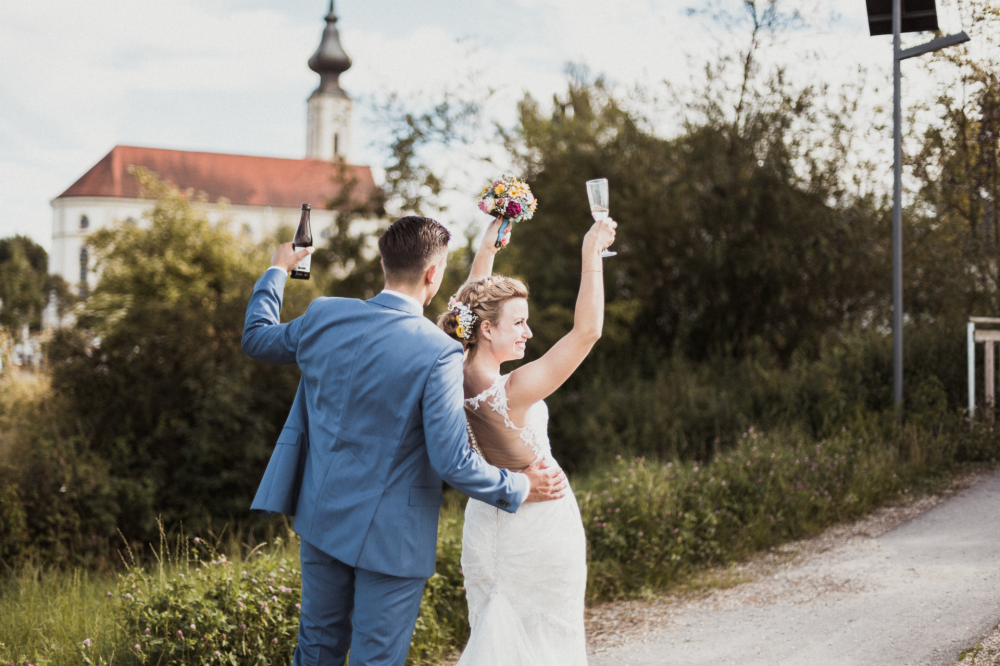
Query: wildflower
{"points": [[192, 627], [136, 647], [109, 594], [676, 530], [218, 654], [243, 626], [611, 500], [630, 485], [223, 637], [274, 640], [274, 598], [147, 631], [253, 580], [180, 634], [181, 575], [86, 642], [240, 604], [128, 596], [197, 540], [640, 533], [724, 483], [298, 606]]}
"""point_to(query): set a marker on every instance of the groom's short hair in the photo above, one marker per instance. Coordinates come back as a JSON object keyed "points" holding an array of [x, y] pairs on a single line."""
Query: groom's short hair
{"points": [[409, 246]]}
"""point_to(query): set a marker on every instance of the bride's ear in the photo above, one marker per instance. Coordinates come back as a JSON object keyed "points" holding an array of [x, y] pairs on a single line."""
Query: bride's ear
{"points": [[486, 330]]}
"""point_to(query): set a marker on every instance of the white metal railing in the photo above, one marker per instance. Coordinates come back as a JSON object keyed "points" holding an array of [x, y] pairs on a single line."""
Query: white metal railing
{"points": [[989, 338]]}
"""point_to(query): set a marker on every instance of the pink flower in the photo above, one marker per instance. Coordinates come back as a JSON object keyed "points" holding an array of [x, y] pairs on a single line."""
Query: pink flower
{"points": [[218, 654], [87, 643], [298, 606], [147, 631], [274, 640], [136, 647], [513, 209], [180, 633], [486, 205]]}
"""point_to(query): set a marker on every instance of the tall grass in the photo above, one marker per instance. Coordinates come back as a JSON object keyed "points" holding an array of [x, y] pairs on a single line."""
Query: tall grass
{"points": [[47, 615]]}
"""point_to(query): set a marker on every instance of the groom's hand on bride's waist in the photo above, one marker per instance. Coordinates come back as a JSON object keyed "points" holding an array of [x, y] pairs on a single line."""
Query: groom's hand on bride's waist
{"points": [[547, 482]]}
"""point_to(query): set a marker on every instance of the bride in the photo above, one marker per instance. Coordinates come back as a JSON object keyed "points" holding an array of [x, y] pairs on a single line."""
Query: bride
{"points": [[525, 573]]}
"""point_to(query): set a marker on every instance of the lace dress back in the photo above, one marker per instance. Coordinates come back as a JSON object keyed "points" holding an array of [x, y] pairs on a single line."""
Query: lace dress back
{"points": [[495, 437]]}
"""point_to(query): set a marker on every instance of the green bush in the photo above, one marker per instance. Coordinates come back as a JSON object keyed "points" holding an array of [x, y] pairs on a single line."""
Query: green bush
{"points": [[212, 610]]}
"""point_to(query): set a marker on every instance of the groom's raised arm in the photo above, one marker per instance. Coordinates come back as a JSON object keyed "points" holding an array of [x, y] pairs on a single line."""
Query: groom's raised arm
{"points": [[448, 441], [265, 338]]}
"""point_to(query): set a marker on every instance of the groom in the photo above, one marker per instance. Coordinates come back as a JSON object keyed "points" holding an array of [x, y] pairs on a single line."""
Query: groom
{"points": [[378, 422]]}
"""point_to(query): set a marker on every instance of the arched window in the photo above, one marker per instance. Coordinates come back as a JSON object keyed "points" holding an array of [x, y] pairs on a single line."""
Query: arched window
{"points": [[84, 222], [84, 260]]}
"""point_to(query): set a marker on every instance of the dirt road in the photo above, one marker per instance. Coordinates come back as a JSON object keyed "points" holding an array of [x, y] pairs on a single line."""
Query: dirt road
{"points": [[919, 593]]}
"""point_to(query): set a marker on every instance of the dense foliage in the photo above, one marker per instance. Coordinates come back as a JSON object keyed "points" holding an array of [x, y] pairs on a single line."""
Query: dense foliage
{"points": [[153, 376], [25, 283]]}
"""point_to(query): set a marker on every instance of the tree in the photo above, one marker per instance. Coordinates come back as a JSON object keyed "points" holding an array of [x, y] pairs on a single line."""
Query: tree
{"points": [[25, 283], [154, 374]]}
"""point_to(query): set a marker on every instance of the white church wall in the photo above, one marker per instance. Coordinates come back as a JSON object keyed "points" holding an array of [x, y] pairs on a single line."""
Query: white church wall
{"points": [[328, 133]]}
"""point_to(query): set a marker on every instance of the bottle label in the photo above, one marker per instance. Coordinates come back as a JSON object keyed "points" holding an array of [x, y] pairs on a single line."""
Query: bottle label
{"points": [[305, 263]]}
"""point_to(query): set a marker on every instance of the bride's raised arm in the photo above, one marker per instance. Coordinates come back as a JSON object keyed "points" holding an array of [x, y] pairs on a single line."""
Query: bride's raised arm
{"points": [[482, 265], [539, 379]]}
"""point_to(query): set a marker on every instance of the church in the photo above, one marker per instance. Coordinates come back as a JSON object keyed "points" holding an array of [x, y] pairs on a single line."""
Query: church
{"points": [[262, 194]]}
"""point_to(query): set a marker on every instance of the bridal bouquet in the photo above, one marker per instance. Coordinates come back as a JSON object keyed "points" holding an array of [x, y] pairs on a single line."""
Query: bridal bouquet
{"points": [[509, 198]]}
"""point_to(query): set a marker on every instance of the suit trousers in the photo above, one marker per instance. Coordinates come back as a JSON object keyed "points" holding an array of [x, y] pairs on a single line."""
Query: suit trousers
{"points": [[347, 608]]}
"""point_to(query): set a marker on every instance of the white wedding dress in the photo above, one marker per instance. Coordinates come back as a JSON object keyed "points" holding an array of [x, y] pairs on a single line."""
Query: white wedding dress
{"points": [[525, 573]]}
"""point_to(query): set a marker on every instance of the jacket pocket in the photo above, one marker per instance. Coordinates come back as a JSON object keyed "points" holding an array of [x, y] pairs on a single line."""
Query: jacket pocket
{"points": [[426, 496]]}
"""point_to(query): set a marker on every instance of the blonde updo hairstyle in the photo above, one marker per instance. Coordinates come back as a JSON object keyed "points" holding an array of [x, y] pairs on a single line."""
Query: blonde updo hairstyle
{"points": [[486, 298]]}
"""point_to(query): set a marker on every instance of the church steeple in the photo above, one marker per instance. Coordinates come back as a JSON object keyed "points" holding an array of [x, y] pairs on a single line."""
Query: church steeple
{"points": [[329, 120], [330, 61]]}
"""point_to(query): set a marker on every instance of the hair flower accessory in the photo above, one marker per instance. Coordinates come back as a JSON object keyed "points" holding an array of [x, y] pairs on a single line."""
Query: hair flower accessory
{"points": [[466, 320], [509, 198]]}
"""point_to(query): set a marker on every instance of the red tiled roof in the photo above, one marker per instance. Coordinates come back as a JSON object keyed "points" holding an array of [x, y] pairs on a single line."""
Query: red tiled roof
{"points": [[242, 179]]}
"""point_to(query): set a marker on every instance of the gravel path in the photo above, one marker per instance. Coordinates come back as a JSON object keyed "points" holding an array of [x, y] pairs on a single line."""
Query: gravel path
{"points": [[917, 583]]}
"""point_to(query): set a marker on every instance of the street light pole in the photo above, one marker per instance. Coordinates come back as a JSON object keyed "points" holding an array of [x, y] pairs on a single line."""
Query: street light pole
{"points": [[904, 16], [897, 214]]}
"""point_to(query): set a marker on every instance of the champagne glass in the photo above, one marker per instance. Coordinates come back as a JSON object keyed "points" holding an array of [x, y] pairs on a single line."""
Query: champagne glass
{"points": [[597, 192]]}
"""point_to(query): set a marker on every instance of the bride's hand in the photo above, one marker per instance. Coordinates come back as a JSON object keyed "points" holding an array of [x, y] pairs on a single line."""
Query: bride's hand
{"points": [[490, 239], [601, 235]]}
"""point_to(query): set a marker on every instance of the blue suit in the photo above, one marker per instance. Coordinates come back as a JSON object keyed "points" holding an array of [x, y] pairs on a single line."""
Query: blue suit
{"points": [[376, 425]]}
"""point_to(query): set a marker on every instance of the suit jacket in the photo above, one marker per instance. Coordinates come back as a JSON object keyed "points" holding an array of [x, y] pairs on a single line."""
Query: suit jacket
{"points": [[377, 423]]}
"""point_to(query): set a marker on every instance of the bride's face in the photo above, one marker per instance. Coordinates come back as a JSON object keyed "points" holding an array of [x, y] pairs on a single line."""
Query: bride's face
{"points": [[509, 337]]}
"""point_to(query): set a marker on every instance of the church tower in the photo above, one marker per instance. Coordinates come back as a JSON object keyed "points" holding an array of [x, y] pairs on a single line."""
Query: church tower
{"points": [[329, 133]]}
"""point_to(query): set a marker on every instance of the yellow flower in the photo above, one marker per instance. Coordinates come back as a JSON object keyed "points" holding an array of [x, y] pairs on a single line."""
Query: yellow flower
{"points": [[500, 188], [533, 205], [460, 331]]}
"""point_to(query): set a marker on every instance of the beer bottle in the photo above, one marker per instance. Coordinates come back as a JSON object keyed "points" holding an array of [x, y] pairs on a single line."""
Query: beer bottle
{"points": [[303, 239]]}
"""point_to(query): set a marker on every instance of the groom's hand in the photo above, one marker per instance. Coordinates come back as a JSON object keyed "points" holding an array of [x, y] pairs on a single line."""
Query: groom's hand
{"points": [[547, 482], [287, 258]]}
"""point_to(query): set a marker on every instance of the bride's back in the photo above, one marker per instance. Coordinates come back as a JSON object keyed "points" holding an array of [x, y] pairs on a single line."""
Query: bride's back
{"points": [[496, 438]]}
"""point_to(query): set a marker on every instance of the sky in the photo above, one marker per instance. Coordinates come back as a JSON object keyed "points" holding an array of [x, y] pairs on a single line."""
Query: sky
{"points": [[81, 76]]}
